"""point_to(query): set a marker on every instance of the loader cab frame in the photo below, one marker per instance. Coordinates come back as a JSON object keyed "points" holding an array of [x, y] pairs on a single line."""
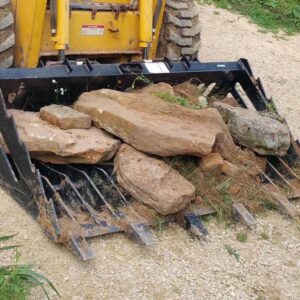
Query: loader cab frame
{"points": [[110, 30]]}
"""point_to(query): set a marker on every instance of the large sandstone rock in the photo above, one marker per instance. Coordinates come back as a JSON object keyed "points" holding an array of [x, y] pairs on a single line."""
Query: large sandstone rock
{"points": [[187, 90], [154, 126], [151, 89], [152, 181], [65, 117], [259, 133], [52, 144]]}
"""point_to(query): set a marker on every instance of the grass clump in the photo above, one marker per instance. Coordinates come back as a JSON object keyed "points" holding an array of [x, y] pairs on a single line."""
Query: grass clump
{"points": [[232, 252], [223, 189], [159, 225], [264, 236], [177, 100], [16, 280], [273, 15], [242, 237]]}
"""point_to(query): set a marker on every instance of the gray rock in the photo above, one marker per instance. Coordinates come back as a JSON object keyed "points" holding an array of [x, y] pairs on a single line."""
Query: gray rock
{"points": [[260, 133]]}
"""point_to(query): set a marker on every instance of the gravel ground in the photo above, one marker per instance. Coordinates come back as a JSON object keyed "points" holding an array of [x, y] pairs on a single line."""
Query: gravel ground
{"points": [[179, 267], [275, 59]]}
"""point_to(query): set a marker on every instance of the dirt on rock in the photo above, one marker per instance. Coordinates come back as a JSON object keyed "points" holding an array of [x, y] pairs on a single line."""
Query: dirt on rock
{"points": [[266, 266]]}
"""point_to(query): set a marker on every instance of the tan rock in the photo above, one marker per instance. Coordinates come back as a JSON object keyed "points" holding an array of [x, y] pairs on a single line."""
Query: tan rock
{"points": [[211, 162], [151, 89], [151, 125], [230, 101], [245, 155], [52, 144], [152, 181], [235, 189], [230, 169], [188, 91], [262, 162], [65, 117]]}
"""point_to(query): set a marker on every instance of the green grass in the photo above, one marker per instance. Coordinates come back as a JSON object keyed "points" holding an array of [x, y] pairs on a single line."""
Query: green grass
{"points": [[264, 236], [16, 280], [273, 15], [232, 252], [242, 237], [177, 100], [159, 225]]}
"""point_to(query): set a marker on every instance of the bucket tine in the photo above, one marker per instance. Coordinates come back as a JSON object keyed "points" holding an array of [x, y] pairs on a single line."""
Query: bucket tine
{"points": [[138, 225], [125, 214], [195, 226], [17, 149], [20, 178], [6, 170], [143, 234]]}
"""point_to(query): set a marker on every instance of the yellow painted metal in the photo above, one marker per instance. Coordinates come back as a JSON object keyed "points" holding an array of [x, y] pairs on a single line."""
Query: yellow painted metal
{"points": [[29, 24], [157, 29], [61, 38], [146, 18], [117, 33], [104, 34], [104, 1]]}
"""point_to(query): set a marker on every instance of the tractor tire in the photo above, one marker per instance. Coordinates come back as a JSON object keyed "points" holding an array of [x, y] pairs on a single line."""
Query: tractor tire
{"points": [[7, 34], [181, 30]]}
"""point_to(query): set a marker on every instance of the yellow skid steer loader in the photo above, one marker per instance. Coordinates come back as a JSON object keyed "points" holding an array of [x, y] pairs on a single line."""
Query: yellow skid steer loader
{"points": [[54, 50]]}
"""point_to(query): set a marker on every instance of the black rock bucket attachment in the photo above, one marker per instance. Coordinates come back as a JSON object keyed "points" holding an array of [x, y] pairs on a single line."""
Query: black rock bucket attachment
{"points": [[76, 202]]}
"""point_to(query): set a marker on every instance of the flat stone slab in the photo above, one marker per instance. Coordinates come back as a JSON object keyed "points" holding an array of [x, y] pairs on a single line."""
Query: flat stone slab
{"points": [[52, 144], [155, 126], [152, 89], [65, 117], [152, 181]]}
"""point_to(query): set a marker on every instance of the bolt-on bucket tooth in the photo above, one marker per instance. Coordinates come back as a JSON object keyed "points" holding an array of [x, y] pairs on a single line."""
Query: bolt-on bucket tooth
{"points": [[192, 223], [143, 234]]}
